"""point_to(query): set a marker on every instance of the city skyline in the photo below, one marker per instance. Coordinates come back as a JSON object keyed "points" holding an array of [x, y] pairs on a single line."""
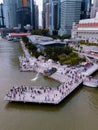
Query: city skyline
{"points": [[38, 2]]}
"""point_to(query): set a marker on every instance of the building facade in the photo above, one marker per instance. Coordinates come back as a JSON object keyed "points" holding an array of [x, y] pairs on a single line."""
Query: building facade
{"points": [[47, 15], [94, 8], [23, 16], [10, 7], [23, 5], [54, 16], [69, 12], [86, 30], [85, 9], [36, 17], [20, 12], [2, 24], [44, 13]]}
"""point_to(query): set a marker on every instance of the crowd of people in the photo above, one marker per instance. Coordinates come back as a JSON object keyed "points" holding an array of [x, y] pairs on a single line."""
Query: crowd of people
{"points": [[45, 95]]}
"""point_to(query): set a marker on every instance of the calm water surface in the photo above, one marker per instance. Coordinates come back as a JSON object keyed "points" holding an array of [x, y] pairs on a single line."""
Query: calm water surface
{"points": [[79, 111]]}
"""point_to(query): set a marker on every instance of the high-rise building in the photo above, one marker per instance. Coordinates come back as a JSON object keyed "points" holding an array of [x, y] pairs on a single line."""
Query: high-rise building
{"points": [[54, 16], [26, 13], [44, 13], [10, 13], [47, 15], [69, 12], [23, 16], [19, 12], [85, 9], [2, 24], [36, 17], [94, 8]]}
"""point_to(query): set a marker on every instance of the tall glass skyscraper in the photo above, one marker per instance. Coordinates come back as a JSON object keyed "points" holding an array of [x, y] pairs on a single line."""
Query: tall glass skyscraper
{"points": [[94, 8], [44, 12], [10, 13], [2, 24], [19, 12], [54, 16], [86, 9], [70, 12]]}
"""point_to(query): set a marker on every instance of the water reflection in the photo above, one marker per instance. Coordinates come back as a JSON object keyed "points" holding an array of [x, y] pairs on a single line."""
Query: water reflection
{"points": [[92, 94]]}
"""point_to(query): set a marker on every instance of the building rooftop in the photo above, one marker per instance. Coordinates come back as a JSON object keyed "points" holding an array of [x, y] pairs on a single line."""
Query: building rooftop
{"points": [[51, 42], [39, 39]]}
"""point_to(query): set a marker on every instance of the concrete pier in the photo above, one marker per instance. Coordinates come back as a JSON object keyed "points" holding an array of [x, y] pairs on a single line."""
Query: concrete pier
{"points": [[48, 95]]}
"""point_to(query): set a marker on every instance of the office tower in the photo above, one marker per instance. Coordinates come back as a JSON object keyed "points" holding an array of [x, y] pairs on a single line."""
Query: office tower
{"points": [[47, 15], [85, 9], [23, 16], [44, 13], [10, 13], [1, 16], [26, 13], [36, 17], [54, 16], [94, 8], [69, 12]]}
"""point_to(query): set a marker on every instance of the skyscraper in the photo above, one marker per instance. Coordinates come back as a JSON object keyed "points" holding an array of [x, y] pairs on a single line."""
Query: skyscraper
{"points": [[85, 9], [2, 24], [94, 8], [19, 12], [44, 13], [69, 12], [10, 13], [36, 17], [23, 16], [47, 15], [54, 16]]}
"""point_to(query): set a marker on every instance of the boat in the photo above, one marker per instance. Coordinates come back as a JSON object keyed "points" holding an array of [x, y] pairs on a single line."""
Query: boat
{"points": [[91, 82]]}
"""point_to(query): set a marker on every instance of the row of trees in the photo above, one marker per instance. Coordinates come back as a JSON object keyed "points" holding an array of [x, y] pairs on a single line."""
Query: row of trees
{"points": [[87, 43], [45, 32]]}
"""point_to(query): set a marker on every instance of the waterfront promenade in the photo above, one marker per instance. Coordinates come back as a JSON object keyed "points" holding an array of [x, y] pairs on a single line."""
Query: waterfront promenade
{"points": [[69, 77]]}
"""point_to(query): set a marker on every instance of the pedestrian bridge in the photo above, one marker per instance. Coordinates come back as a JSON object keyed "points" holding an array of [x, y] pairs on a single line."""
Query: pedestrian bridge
{"points": [[18, 34]]}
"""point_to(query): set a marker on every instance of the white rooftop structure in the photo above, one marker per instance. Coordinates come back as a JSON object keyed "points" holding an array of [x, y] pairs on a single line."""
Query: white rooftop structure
{"points": [[38, 39], [51, 42]]}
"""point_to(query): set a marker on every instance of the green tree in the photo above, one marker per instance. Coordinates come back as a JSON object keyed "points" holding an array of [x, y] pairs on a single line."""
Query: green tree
{"points": [[43, 32], [25, 39], [67, 50]]}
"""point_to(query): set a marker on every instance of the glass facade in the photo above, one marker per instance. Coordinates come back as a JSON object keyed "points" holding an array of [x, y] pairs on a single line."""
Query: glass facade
{"points": [[23, 16], [86, 9], [70, 12], [54, 16], [2, 24], [10, 13], [44, 12]]}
